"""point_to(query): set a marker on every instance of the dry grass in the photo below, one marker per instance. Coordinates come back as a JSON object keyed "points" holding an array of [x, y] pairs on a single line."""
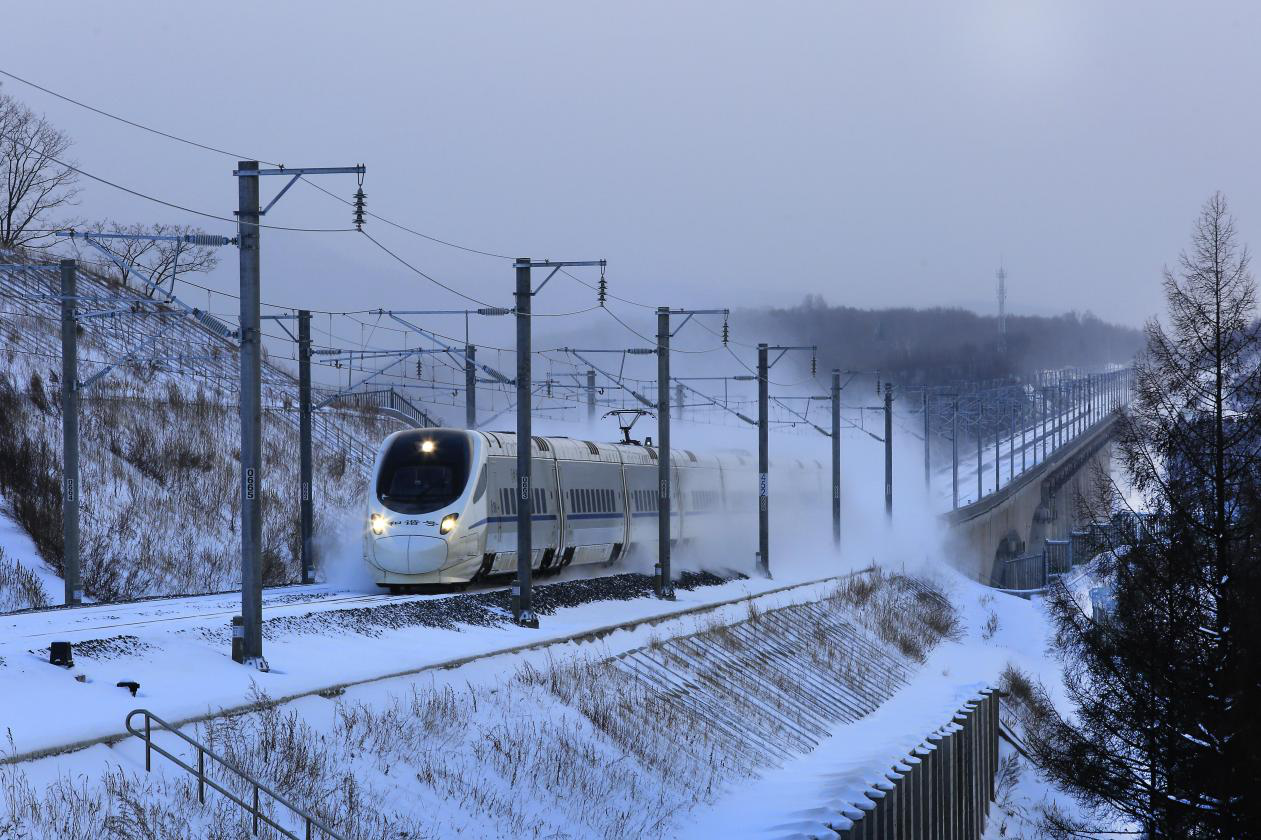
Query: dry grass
{"points": [[20, 588], [580, 748], [911, 614], [159, 469]]}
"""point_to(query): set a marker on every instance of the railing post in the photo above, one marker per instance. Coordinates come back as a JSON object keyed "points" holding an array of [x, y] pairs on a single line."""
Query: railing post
{"points": [[201, 775], [148, 740], [255, 809]]}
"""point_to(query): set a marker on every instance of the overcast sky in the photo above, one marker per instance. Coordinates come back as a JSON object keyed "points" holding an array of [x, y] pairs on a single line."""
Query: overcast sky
{"points": [[717, 154]]}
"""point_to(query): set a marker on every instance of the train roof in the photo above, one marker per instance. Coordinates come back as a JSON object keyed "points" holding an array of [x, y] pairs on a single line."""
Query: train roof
{"points": [[504, 444]]}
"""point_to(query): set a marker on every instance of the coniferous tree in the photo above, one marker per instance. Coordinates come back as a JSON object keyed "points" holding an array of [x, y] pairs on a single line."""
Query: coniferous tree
{"points": [[1165, 731]]}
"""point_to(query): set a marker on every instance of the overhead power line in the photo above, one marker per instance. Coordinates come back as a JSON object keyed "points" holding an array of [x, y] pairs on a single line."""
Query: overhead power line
{"points": [[236, 156]]}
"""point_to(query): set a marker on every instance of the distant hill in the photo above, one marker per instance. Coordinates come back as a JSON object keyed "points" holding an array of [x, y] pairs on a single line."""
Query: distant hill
{"points": [[941, 345]]}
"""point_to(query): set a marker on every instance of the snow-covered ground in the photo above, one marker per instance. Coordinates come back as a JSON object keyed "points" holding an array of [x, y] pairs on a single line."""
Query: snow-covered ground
{"points": [[186, 673]]}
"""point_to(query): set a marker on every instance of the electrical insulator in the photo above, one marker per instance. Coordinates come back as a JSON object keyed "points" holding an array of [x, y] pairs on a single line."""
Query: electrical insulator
{"points": [[360, 203], [420, 370], [726, 334], [602, 293], [814, 365], [207, 239]]}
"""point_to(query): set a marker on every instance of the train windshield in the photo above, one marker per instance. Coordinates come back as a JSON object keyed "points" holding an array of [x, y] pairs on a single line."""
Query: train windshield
{"points": [[424, 471]]}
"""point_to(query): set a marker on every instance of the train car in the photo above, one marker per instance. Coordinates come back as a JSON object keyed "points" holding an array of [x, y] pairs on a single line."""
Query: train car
{"points": [[442, 503]]}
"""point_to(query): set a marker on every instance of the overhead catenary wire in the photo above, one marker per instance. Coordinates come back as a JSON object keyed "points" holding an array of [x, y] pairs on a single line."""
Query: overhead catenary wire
{"points": [[237, 156], [182, 208]]}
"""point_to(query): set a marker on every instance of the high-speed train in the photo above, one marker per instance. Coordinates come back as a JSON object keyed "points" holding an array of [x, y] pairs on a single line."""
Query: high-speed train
{"points": [[442, 507]]}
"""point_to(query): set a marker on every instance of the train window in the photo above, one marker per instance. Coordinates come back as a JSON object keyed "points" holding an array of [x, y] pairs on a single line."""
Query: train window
{"points": [[481, 486], [424, 471]]}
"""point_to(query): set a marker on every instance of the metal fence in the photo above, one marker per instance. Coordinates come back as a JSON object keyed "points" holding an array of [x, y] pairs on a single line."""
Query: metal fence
{"points": [[1059, 556], [943, 788], [259, 815], [1026, 573]]}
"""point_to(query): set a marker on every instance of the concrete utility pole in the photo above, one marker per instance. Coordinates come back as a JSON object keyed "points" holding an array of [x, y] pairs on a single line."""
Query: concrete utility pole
{"points": [[249, 216], [980, 443], [1024, 428], [70, 434], [1011, 447], [251, 418], [304, 444], [954, 453], [664, 581], [522, 590], [591, 396], [470, 386], [888, 450], [998, 453], [764, 366], [928, 476], [836, 458], [763, 462], [1042, 395], [665, 588]]}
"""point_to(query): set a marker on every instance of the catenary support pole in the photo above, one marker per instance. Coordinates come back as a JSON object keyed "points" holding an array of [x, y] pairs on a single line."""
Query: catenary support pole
{"points": [[998, 453], [1011, 444], [664, 586], [70, 434], [888, 450], [522, 594], [251, 418], [1024, 429], [954, 453], [307, 523], [591, 397], [836, 458], [470, 386], [1042, 395], [763, 462], [928, 477], [980, 445]]}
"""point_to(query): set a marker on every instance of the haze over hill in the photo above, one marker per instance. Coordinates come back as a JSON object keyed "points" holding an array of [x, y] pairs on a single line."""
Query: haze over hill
{"points": [[941, 344]]}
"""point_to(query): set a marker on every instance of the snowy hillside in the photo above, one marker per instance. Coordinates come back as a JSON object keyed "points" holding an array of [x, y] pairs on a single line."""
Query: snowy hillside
{"points": [[159, 448]]}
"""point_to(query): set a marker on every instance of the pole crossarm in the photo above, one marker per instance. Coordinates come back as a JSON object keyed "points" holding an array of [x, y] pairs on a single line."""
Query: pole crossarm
{"points": [[616, 380], [359, 169], [403, 356], [677, 381], [442, 345], [785, 348], [485, 310], [209, 240], [555, 266]]}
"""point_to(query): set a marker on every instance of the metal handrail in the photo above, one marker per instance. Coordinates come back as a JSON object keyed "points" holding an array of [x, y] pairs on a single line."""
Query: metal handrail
{"points": [[203, 780]]}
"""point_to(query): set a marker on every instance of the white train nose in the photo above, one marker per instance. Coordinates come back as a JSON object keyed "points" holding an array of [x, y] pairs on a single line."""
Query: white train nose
{"points": [[426, 554], [390, 554], [410, 555]]}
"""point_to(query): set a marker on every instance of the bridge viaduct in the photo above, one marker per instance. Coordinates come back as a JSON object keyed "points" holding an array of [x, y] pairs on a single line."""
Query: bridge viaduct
{"points": [[1040, 504]]}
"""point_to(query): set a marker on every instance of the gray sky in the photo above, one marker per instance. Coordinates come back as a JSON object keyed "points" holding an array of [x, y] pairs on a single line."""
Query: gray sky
{"points": [[877, 154]]}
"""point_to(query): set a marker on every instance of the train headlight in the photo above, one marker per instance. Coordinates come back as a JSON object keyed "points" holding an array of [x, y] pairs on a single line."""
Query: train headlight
{"points": [[448, 522], [427, 447], [378, 523]]}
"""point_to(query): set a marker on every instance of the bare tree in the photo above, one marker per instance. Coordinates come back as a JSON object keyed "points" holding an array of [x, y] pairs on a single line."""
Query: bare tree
{"points": [[150, 265], [32, 185]]}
